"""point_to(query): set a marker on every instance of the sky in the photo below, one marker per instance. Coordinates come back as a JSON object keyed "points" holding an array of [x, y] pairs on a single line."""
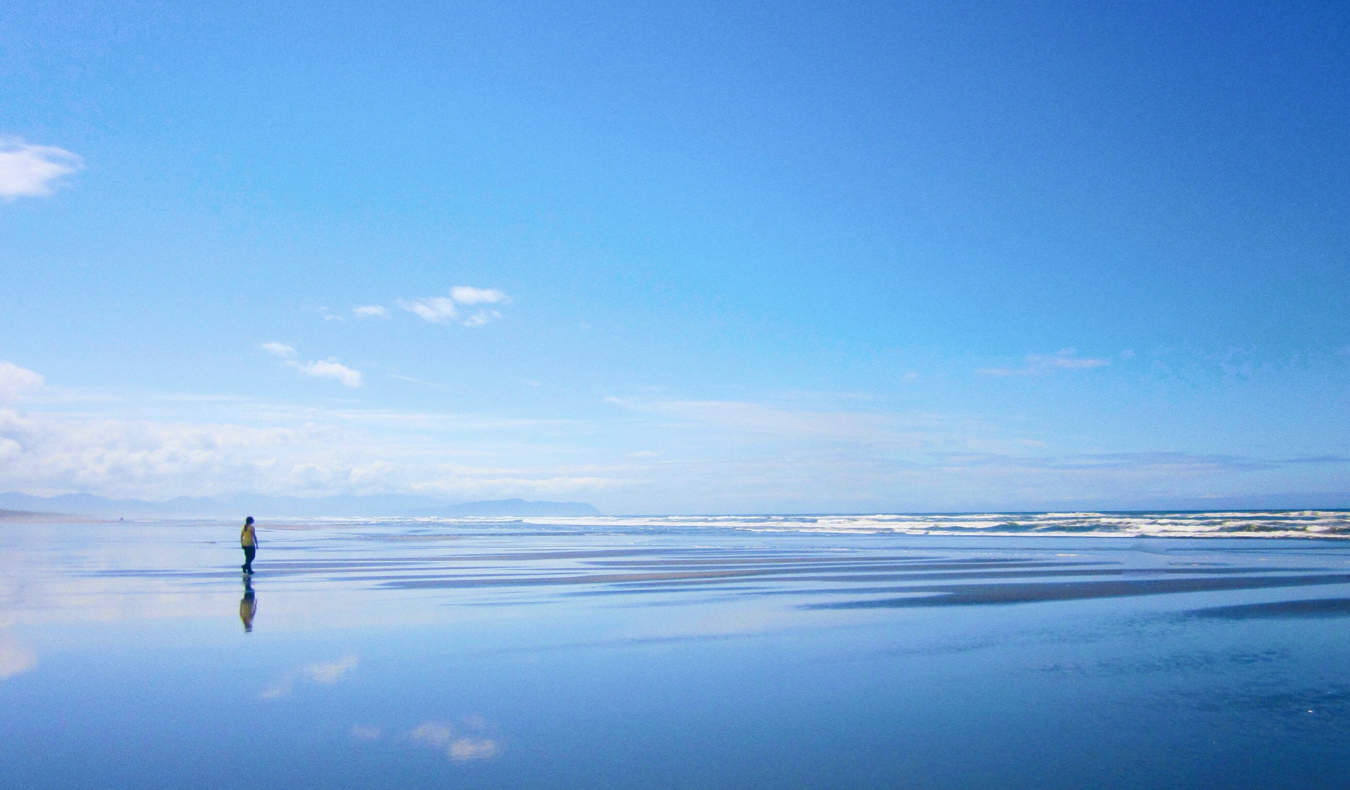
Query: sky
{"points": [[679, 258]]}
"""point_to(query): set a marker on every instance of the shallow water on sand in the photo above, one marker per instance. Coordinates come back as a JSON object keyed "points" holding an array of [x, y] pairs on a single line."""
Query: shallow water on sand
{"points": [[505, 655]]}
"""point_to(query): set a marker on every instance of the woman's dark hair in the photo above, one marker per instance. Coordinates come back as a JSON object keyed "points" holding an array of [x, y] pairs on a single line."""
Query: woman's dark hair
{"points": [[248, 520]]}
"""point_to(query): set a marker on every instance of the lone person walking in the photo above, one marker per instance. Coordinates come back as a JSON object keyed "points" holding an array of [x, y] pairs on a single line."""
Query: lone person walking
{"points": [[249, 540]]}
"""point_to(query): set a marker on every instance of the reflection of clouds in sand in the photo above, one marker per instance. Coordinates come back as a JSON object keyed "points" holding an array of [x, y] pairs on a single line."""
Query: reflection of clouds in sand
{"points": [[14, 660], [725, 622], [466, 742], [471, 738], [330, 672], [458, 744], [49, 577], [279, 689], [324, 673]]}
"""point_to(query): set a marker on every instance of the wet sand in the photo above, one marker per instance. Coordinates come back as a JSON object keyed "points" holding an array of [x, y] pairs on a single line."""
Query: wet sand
{"points": [[514, 656]]}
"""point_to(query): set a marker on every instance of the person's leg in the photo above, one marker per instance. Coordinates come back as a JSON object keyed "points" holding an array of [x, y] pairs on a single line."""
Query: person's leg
{"points": [[249, 551]]}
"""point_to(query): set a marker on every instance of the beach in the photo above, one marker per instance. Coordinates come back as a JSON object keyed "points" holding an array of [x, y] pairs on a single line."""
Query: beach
{"points": [[673, 652]]}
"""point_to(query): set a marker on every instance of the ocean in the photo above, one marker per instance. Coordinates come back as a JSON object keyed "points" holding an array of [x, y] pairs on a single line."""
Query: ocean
{"points": [[938, 651], [1173, 524]]}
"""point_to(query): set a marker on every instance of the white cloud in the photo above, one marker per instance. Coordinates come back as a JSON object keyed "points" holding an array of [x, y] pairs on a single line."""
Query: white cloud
{"points": [[15, 381], [467, 294], [321, 369], [1064, 359], [33, 170], [436, 309], [279, 350], [370, 311], [446, 309], [481, 317], [330, 369]]}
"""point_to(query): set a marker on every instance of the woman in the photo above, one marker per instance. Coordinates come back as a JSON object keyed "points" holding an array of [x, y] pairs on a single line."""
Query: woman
{"points": [[249, 540]]}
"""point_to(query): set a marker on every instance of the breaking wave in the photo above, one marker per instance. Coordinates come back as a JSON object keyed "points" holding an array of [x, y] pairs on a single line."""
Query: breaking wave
{"points": [[1187, 524]]}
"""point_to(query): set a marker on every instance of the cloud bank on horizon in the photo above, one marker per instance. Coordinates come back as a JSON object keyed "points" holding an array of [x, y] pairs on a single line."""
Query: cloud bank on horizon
{"points": [[848, 260], [785, 458]]}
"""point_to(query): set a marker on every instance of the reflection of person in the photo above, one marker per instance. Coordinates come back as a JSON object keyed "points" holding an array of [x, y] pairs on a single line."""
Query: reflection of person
{"points": [[248, 605], [248, 538]]}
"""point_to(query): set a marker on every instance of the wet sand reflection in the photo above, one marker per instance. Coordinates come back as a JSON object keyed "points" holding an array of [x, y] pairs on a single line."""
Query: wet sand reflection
{"points": [[248, 605]]}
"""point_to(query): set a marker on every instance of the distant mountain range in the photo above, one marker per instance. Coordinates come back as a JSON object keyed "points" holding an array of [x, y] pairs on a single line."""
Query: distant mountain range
{"points": [[262, 506]]}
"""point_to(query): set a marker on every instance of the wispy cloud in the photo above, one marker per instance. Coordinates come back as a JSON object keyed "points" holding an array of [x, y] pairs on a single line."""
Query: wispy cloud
{"points": [[28, 170], [1064, 359], [319, 369], [468, 295], [760, 418], [15, 381], [1169, 462], [447, 309], [279, 350], [482, 317], [330, 369], [436, 309], [370, 311]]}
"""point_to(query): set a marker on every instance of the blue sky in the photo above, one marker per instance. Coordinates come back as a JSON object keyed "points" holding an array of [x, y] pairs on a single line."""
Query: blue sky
{"points": [[690, 258]]}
